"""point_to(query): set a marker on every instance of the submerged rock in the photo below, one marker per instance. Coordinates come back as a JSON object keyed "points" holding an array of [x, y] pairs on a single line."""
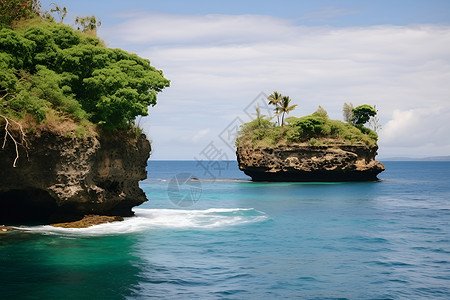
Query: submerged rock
{"points": [[89, 220], [72, 176], [5, 229], [304, 162]]}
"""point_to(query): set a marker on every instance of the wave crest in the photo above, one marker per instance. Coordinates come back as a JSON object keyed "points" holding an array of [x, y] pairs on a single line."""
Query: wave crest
{"points": [[146, 219]]}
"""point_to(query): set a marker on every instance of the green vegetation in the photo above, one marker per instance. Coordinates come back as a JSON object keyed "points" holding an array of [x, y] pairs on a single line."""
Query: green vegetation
{"points": [[362, 114], [315, 129], [15, 10], [282, 105], [347, 111], [48, 68]]}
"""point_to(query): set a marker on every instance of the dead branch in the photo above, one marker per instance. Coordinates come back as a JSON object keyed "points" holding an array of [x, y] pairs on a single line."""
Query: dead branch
{"points": [[23, 142]]}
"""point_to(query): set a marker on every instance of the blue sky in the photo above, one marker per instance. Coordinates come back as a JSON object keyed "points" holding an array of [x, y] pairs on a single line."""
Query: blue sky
{"points": [[319, 12], [220, 55]]}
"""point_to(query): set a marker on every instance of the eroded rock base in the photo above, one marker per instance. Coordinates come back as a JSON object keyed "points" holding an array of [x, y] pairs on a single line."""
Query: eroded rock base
{"points": [[64, 178], [305, 163]]}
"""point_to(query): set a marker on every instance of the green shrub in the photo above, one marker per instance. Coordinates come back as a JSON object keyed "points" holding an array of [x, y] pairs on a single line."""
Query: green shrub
{"points": [[292, 134], [311, 126], [313, 142], [80, 131], [52, 66], [25, 101], [320, 112], [314, 129]]}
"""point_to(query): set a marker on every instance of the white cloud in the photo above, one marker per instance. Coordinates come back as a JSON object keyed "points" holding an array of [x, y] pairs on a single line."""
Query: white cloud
{"points": [[218, 64], [196, 137], [186, 29], [428, 126]]}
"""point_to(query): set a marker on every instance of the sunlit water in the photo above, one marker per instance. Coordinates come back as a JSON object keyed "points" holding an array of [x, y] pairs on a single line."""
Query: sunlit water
{"points": [[242, 240]]}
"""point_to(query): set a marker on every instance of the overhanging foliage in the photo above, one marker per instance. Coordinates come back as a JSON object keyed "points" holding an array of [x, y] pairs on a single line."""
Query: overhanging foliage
{"points": [[51, 66]]}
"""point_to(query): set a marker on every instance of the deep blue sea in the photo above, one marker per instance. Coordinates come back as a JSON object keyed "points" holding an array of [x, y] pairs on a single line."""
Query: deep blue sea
{"points": [[224, 237]]}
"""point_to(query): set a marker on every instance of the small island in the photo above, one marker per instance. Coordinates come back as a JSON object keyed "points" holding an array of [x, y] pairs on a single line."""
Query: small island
{"points": [[310, 148], [69, 147]]}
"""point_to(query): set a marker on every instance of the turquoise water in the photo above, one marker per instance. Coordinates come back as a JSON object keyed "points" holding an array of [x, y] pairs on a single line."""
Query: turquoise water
{"points": [[242, 240]]}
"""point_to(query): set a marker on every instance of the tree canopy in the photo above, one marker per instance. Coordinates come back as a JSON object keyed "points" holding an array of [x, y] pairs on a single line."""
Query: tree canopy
{"points": [[52, 66], [362, 114]]}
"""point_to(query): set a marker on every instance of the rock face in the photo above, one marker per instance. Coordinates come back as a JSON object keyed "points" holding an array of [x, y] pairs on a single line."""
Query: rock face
{"points": [[310, 163], [64, 178]]}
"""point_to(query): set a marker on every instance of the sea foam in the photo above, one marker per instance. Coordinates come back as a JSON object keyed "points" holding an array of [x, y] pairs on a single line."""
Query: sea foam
{"points": [[146, 219]]}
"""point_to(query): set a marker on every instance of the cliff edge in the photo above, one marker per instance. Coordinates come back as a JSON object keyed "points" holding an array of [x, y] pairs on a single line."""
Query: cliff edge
{"points": [[302, 162], [56, 83], [65, 178]]}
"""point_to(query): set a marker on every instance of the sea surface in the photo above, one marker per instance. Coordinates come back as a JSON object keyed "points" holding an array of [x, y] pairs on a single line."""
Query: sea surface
{"points": [[209, 233]]}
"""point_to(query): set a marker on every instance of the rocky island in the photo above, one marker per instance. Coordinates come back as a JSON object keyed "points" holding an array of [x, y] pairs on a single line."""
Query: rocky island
{"points": [[69, 146], [302, 162], [311, 148]]}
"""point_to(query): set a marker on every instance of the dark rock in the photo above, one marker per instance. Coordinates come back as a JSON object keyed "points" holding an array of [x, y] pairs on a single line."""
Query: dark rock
{"points": [[65, 176], [310, 163]]}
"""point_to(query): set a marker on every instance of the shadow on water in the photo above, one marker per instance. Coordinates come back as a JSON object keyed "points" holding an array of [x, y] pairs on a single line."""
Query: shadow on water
{"points": [[36, 266]]}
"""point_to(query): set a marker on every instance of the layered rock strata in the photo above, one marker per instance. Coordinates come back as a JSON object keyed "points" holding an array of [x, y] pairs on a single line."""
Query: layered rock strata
{"points": [[310, 163]]}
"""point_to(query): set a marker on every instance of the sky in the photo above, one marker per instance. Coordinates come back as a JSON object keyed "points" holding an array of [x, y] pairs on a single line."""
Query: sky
{"points": [[224, 57]]}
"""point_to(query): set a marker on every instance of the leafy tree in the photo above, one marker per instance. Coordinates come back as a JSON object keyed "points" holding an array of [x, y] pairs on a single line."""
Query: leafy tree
{"points": [[285, 107], [347, 111], [52, 66], [362, 114]]}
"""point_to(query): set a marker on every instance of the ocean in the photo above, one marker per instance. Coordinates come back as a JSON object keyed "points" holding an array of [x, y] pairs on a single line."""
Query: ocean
{"points": [[207, 232]]}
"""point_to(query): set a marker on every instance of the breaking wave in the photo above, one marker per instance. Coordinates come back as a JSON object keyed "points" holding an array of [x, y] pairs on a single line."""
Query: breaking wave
{"points": [[146, 219]]}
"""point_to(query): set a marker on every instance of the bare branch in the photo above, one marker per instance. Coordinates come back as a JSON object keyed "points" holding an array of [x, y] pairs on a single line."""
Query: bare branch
{"points": [[6, 131], [23, 142]]}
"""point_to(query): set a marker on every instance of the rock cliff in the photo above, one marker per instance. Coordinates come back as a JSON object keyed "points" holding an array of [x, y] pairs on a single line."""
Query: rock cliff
{"points": [[64, 178], [302, 162]]}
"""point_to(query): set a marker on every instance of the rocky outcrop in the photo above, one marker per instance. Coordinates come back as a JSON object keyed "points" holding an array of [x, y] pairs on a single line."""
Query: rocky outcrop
{"points": [[64, 178], [88, 221], [304, 162]]}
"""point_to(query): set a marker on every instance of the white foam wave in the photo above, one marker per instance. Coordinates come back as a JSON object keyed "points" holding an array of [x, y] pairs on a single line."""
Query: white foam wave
{"points": [[146, 219]]}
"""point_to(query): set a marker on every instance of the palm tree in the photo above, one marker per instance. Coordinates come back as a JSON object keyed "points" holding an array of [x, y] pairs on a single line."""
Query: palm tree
{"points": [[275, 99], [285, 107]]}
